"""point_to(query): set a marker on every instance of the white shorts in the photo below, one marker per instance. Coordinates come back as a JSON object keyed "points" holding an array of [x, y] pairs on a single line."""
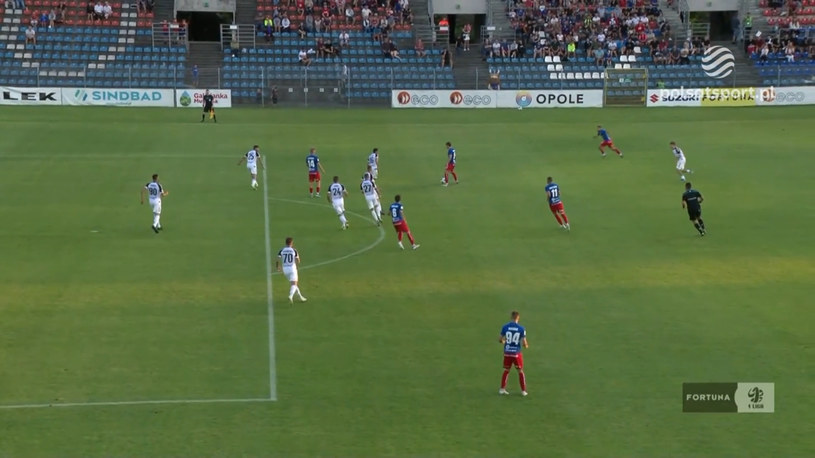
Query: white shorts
{"points": [[375, 172], [680, 163], [156, 206], [339, 206], [373, 202], [290, 273], [466, 37], [253, 168]]}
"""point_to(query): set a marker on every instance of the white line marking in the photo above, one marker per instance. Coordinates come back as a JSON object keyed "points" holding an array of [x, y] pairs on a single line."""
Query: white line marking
{"points": [[269, 300], [341, 258], [132, 403], [112, 156]]}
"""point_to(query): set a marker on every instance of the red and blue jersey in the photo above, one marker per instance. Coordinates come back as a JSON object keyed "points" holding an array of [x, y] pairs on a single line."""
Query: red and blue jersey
{"points": [[514, 335], [602, 133], [313, 163], [553, 193], [451, 155], [396, 213]]}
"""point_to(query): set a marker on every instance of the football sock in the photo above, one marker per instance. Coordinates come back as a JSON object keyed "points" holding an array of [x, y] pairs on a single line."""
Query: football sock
{"points": [[557, 217], [702, 223], [619, 153], [399, 236], [446, 180], [343, 220], [310, 190], [412, 240], [375, 214], [297, 290], [254, 182], [292, 290], [455, 177], [203, 117], [522, 379], [504, 379], [565, 219], [698, 227], [155, 220], [318, 189]]}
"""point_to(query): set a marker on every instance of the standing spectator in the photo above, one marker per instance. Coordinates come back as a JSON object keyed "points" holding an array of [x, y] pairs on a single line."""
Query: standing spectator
{"points": [[419, 48], [735, 27], [302, 56], [465, 34], [310, 24], [31, 36], [52, 18], [43, 20], [268, 27], [344, 39], [309, 7], [350, 19], [20, 4], [446, 59], [195, 75], [365, 13], [274, 95], [748, 26]]}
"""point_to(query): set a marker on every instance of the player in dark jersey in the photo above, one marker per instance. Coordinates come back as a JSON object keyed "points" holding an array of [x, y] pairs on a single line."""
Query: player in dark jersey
{"points": [[607, 141], [555, 204], [513, 338], [397, 213], [451, 165], [692, 200], [209, 100]]}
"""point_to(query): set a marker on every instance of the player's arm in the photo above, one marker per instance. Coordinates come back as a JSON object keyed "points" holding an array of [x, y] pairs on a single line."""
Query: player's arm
{"points": [[525, 343], [164, 192], [243, 158], [345, 193], [297, 258], [502, 339], [548, 194], [277, 264], [701, 199], [683, 202], [141, 195]]}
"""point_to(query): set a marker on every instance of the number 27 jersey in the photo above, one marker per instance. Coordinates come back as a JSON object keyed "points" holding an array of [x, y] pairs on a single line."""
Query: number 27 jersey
{"points": [[514, 335]]}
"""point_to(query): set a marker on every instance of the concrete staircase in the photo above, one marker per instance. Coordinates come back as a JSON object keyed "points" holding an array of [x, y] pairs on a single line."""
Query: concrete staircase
{"points": [[679, 31], [422, 27], [745, 74], [209, 58], [469, 67], [497, 17], [163, 11], [246, 10]]}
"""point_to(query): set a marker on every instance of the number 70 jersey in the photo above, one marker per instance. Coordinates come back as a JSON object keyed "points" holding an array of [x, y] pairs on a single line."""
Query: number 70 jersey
{"points": [[514, 335]]}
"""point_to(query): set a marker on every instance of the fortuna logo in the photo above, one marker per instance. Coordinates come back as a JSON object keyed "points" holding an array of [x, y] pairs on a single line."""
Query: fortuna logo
{"points": [[403, 98], [456, 98], [707, 397], [718, 62]]}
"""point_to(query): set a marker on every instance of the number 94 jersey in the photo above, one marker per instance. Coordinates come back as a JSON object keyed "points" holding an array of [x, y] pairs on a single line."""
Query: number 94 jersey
{"points": [[514, 335]]}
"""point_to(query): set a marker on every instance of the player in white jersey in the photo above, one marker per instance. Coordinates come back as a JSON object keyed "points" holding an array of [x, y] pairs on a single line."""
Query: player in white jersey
{"points": [[336, 195], [252, 159], [372, 195], [287, 260], [373, 162], [680, 161], [154, 192]]}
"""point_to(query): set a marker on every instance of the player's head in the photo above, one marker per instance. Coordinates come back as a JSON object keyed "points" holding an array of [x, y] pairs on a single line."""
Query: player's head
{"points": [[255, 147], [312, 150], [206, 92], [398, 198], [376, 151], [599, 127], [155, 177], [366, 176], [673, 144], [687, 185], [515, 316], [449, 144], [336, 179], [549, 180], [289, 241]]}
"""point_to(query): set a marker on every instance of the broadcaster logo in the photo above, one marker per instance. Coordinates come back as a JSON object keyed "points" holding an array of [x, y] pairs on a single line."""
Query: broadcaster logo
{"points": [[718, 62], [523, 99]]}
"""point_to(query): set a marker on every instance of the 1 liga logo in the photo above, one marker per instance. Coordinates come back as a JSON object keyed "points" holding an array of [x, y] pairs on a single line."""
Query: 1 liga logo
{"points": [[718, 62]]}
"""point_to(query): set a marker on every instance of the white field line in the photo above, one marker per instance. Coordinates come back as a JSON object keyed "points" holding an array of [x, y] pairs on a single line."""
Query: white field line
{"points": [[269, 300], [134, 403]]}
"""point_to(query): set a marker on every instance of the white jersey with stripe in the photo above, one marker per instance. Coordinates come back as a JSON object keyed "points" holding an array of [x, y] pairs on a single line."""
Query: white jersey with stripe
{"points": [[336, 191], [154, 190], [288, 257], [372, 160], [678, 153], [252, 157], [368, 188]]}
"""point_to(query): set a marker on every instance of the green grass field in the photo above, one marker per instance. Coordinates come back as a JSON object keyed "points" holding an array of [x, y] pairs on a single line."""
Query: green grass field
{"points": [[395, 353]]}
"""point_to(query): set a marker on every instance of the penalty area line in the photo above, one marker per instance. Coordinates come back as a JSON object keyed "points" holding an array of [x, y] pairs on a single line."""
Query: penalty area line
{"points": [[133, 403]]}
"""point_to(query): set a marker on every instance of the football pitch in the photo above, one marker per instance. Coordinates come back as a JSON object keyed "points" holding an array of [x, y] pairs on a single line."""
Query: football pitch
{"points": [[395, 353]]}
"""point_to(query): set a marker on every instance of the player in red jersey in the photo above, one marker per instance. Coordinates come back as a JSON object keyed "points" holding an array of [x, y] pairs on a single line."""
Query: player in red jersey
{"points": [[513, 338], [606, 142], [399, 223], [451, 165]]}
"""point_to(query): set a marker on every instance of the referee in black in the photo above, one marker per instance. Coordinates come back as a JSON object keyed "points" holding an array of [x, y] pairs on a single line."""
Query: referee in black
{"points": [[692, 200], [208, 108]]}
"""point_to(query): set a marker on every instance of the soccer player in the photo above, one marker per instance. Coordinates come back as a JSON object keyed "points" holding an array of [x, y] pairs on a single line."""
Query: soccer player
{"points": [[314, 169], [513, 337], [209, 100], [555, 204], [680, 161], [451, 165], [692, 200], [606, 142], [372, 195], [252, 159], [373, 163], [397, 212], [288, 258], [155, 192], [336, 195]]}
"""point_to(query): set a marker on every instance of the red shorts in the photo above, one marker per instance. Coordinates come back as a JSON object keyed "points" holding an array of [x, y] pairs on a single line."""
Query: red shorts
{"points": [[516, 360], [450, 167], [558, 207], [313, 176], [608, 143], [401, 226]]}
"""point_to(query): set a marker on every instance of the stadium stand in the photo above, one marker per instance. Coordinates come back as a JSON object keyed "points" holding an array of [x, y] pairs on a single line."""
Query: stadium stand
{"points": [[74, 48], [784, 56]]}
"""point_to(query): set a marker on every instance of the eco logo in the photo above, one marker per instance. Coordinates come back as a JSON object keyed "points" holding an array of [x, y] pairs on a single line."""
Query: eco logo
{"points": [[718, 62]]}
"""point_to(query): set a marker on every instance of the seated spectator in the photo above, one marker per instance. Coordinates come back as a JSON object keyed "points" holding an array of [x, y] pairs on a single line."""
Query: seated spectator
{"points": [[419, 48], [327, 24], [107, 10], [365, 13], [301, 30], [350, 18], [329, 50], [612, 49], [141, 6], [673, 59], [43, 19], [496, 49], [98, 11], [684, 54], [318, 45], [268, 28], [61, 11], [513, 49], [344, 40], [31, 36], [285, 24], [318, 23], [599, 57], [392, 50], [302, 56], [537, 52], [276, 21], [301, 7], [789, 51]]}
